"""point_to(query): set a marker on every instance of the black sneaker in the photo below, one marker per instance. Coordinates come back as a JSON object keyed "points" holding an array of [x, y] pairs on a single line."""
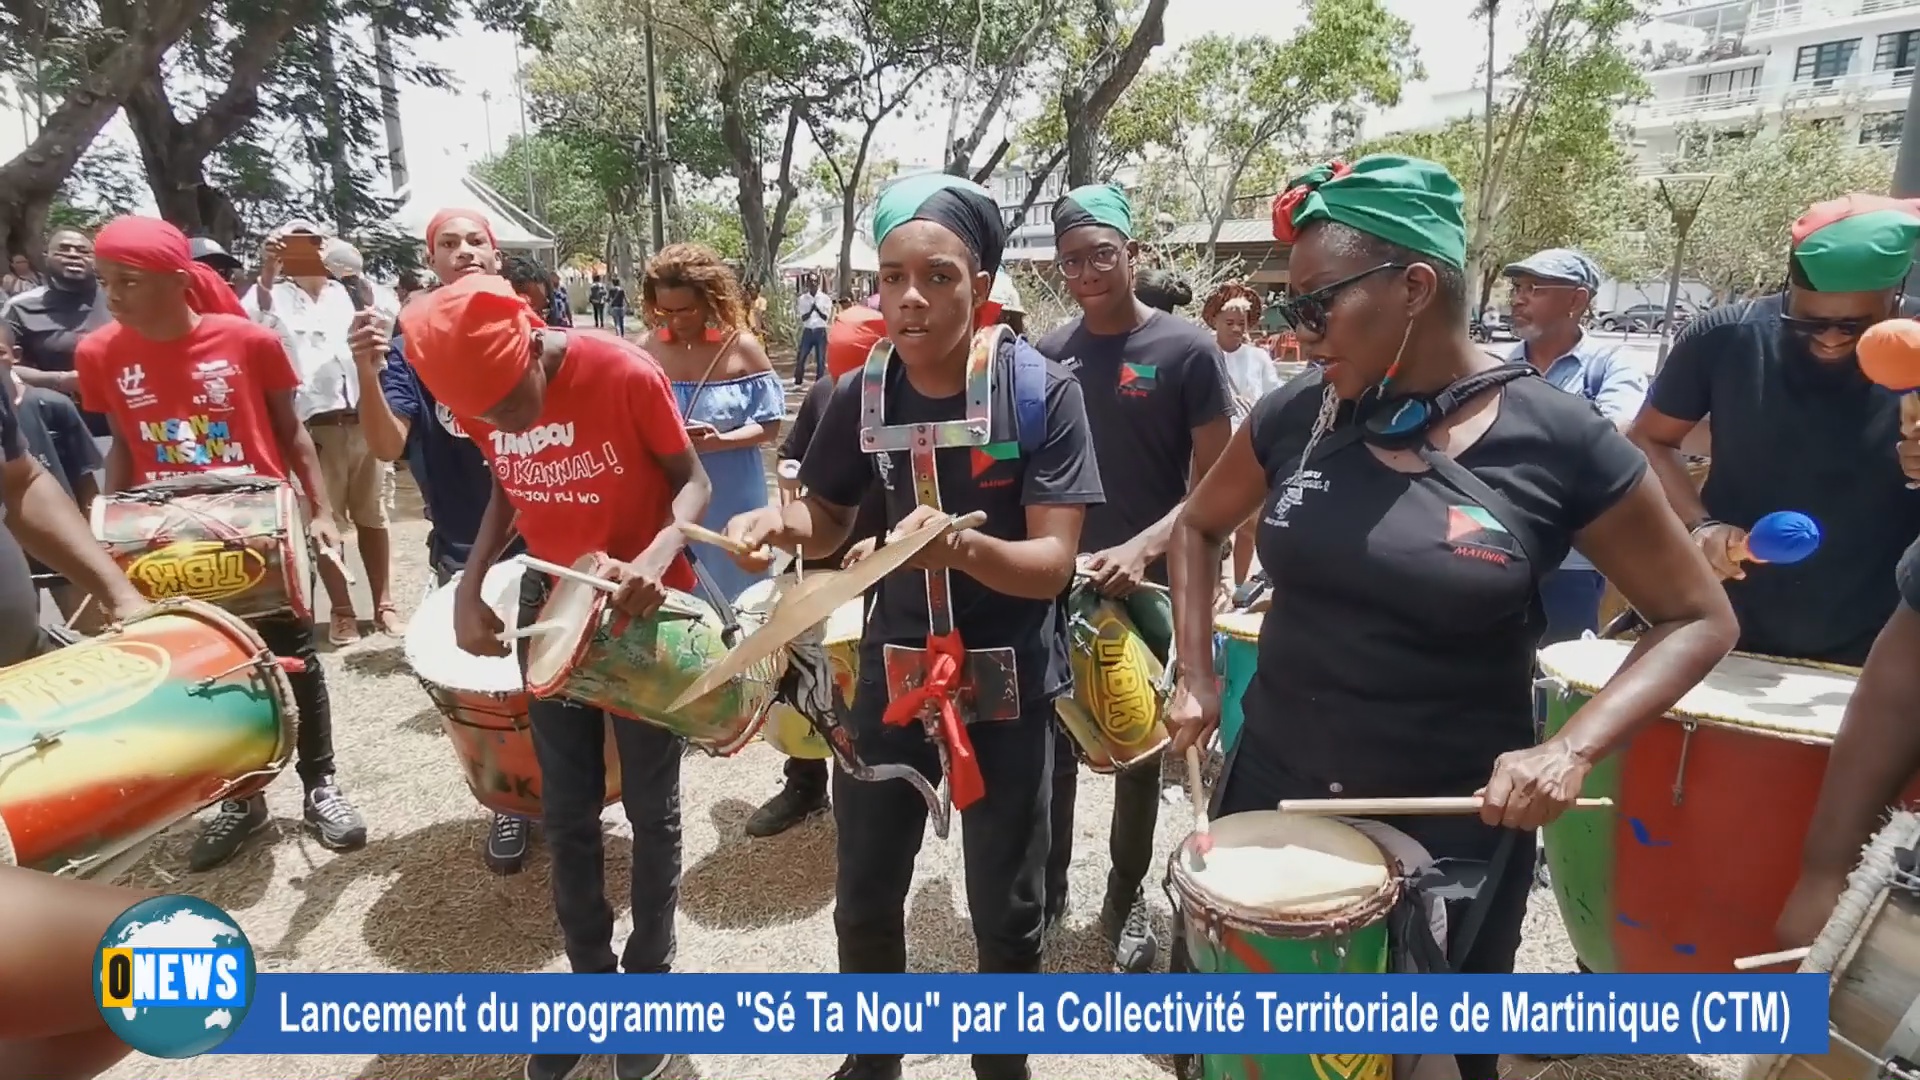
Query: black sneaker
{"points": [[868, 1067], [638, 1066], [790, 807], [229, 829], [552, 1066], [1135, 947], [507, 844], [333, 818]]}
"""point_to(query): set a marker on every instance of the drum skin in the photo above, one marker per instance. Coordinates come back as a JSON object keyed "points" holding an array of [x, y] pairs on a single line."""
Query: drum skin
{"points": [[233, 543], [1684, 885], [107, 742], [1236, 638], [1223, 942], [1115, 712], [493, 740]]}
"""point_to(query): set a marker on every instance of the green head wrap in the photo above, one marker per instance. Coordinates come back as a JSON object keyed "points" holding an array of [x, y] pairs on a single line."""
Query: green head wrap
{"points": [[955, 203], [1858, 243], [1406, 201], [1094, 204]]}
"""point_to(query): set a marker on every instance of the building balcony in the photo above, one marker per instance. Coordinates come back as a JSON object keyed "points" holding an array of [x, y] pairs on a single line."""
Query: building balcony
{"points": [[1805, 92], [1793, 15], [1674, 55], [1698, 106]]}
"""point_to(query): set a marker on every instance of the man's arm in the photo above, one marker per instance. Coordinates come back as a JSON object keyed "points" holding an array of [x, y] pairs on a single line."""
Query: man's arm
{"points": [[496, 525], [691, 493], [387, 417], [50, 528], [119, 468], [1623, 391], [1681, 396]]}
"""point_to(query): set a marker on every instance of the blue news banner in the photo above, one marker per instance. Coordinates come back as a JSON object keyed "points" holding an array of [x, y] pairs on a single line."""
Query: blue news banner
{"points": [[1036, 1014]]}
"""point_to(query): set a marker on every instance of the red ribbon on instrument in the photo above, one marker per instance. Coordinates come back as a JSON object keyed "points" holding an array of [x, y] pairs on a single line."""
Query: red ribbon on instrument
{"points": [[946, 660]]}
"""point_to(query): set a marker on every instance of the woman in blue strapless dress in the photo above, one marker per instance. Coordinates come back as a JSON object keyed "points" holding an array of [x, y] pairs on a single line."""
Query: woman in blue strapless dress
{"points": [[731, 400]]}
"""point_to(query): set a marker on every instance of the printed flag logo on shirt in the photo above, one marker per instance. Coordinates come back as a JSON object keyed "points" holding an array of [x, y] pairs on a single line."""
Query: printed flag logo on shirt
{"points": [[1476, 534], [1138, 378], [986, 457]]}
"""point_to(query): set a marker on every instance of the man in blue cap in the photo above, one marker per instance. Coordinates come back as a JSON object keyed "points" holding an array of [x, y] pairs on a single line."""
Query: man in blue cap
{"points": [[1551, 291]]}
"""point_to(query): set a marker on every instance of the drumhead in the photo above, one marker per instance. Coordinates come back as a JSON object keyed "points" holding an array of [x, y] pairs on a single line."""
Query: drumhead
{"points": [[576, 608], [436, 658], [1775, 697], [1287, 867], [848, 623], [1244, 625], [759, 597]]}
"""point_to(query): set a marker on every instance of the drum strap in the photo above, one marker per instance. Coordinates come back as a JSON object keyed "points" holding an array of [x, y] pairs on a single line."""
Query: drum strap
{"points": [[1450, 880]]}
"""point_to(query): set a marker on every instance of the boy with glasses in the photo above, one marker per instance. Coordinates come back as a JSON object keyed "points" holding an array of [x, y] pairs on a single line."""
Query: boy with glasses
{"points": [[1797, 426]]}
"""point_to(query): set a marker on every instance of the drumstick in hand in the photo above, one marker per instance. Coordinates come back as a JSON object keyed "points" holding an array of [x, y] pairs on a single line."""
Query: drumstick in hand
{"points": [[1202, 840], [1463, 804]]}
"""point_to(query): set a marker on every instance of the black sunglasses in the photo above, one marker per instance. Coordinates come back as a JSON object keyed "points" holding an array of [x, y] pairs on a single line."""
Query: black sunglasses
{"points": [[1308, 311], [1853, 328]]}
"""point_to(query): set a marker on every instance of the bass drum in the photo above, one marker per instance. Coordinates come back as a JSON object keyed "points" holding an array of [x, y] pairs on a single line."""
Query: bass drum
{"points": [[110, 741]]}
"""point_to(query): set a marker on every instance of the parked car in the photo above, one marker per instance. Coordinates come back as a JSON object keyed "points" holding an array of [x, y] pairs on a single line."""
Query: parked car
{"points": [[1495, 325], [1644, 318]]}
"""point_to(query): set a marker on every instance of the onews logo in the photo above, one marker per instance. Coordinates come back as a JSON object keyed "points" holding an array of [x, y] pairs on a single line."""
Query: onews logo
{"points": [[174, 976]]}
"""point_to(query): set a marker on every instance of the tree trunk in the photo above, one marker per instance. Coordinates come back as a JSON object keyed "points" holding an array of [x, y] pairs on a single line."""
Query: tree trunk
{"points": [[1483, 201], [1036, 183], [31, 180], [339, 170], [850, 207], [744, 162], [789, 191], [1086, 104]]}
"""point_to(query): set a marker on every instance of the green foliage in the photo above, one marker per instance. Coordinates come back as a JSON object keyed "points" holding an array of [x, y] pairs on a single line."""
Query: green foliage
{"points": [[717, 225], [563, 186]]}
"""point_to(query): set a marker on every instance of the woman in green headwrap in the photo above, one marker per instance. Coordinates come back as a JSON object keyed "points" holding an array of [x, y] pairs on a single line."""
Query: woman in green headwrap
{"points": [[940, 243], [1412, 490]]}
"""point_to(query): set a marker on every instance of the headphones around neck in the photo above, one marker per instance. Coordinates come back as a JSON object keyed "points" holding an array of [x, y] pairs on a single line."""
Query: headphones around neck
{"points": [[1402, 421]]}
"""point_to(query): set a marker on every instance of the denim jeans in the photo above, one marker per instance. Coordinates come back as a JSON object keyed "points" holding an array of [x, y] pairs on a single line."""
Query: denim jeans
{"points": [[812, 340], [569, 741], [1571, 600]]}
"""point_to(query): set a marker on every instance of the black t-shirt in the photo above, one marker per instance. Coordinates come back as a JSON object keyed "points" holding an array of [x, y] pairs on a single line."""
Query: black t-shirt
{"points": [[1146, 393], [1397, 658], [871, 518], [47, 324], [1788, 435], [19, 600], [997, 479], [617, 297], [51, 427]]}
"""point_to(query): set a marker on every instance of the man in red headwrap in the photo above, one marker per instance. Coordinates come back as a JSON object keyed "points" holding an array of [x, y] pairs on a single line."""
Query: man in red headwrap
{"points": [[188, 389], [589, 451]]}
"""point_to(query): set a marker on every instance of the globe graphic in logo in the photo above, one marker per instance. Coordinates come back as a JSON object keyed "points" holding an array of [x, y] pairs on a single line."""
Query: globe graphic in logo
{"points": [[174, 1030]]}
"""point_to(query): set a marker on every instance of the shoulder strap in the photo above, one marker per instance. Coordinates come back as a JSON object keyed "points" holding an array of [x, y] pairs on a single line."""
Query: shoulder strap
{"points": [[1029, 395], [1461, 479]]}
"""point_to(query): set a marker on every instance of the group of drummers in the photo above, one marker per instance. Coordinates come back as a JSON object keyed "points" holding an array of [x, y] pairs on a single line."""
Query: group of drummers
{"points": [[1434, 492]]}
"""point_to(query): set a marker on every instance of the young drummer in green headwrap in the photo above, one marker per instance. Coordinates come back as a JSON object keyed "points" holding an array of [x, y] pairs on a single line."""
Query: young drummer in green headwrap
{"points": [[1796, 426], [1406, 539], [940, 241], [1158, 402]]}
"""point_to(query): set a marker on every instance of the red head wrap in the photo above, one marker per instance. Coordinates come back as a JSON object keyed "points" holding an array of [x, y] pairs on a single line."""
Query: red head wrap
{"points": [[145, 243], [852, 335], [468, 342], [452, 213]]}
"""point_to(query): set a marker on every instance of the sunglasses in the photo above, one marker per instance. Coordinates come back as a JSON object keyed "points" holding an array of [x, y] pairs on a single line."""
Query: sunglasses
{"points": [[1308, 311], [1808, 328]]}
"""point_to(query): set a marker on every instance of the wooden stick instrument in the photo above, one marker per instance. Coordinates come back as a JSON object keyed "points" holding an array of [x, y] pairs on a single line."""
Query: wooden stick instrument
{"points": [[1462, 804]]}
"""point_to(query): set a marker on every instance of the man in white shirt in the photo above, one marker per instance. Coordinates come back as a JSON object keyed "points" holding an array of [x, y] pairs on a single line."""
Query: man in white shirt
{"points": [[314, 315], [815, 309]]}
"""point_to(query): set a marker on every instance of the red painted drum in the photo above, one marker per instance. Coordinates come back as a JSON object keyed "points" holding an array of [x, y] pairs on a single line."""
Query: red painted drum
{"points": [[1711, 804], [483, 701], [108, 742], [232, 541]]}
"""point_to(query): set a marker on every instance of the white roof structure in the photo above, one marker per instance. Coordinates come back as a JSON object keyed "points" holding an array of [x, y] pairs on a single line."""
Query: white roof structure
{"points": [[825, 255], [426, 194]]}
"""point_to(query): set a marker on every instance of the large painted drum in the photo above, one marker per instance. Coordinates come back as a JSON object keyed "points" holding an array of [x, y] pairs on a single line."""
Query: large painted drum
{"points": [[1236, 646], [483, 701], [786, 730], [235, 542], [1115, 713], [1870, 950], [1711, 804], [1288, 894], [108, 742], [637, 667]]}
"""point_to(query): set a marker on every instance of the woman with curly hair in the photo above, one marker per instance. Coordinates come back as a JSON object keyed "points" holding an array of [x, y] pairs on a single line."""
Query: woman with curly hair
{"points": [[724, 383], [1232, 312]]}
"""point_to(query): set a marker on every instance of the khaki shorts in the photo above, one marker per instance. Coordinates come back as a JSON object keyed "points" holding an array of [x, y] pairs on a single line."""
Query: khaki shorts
{"points": [[356, 480]]}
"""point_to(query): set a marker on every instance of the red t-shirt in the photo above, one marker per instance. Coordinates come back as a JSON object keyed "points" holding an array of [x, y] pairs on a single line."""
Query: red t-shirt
{"points": [[196, 404], [586, 476]]}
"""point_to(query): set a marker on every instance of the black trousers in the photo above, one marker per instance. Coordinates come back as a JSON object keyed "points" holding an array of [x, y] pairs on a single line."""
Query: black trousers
{"points": [[1493, 949], [569, 741], [807, 774], [879, 827], [1136, 811], [313, 739]]}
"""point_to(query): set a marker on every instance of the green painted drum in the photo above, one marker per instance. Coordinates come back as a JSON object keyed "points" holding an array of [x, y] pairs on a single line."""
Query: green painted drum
{"points": [[636, 667], [1114, 714], [1236, 638], [1287, 894]]}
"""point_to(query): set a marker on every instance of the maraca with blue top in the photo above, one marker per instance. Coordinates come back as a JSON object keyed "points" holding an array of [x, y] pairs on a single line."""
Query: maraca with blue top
{"points": [[1779, 538]]}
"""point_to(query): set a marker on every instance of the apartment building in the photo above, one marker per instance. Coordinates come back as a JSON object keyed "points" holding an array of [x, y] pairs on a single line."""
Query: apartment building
{"points": [[1728, 66]]}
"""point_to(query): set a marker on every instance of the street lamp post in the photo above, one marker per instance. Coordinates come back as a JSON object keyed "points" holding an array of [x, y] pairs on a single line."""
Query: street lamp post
{"points": [[1682, 194]]}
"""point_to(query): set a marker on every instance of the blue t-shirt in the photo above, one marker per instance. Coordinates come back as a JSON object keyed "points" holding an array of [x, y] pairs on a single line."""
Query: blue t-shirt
{"points": [[450, 471]]}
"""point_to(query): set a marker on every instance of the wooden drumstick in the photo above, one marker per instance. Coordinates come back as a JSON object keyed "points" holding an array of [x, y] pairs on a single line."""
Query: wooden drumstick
{"points": [[964, 521], [1784, 956], [1202, 840], [700, 534], [1463, 804], [533, 630], [568, 573]]}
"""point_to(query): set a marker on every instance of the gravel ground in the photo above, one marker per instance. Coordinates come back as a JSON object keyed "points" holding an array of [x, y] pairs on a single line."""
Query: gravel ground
{"points": [[417, 898]]}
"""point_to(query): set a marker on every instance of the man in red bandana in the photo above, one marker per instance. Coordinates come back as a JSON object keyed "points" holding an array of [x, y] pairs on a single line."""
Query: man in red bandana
{"points": [[190, 385], [589, 450]]}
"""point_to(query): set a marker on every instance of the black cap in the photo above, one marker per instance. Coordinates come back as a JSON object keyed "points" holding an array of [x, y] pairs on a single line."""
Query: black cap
{"points": [[211, 253]]}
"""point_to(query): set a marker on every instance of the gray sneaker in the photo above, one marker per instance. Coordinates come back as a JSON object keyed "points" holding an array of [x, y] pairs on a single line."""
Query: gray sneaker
{"points": [[223, 836], [1135, 947], [333, 818], [507, 844]]}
